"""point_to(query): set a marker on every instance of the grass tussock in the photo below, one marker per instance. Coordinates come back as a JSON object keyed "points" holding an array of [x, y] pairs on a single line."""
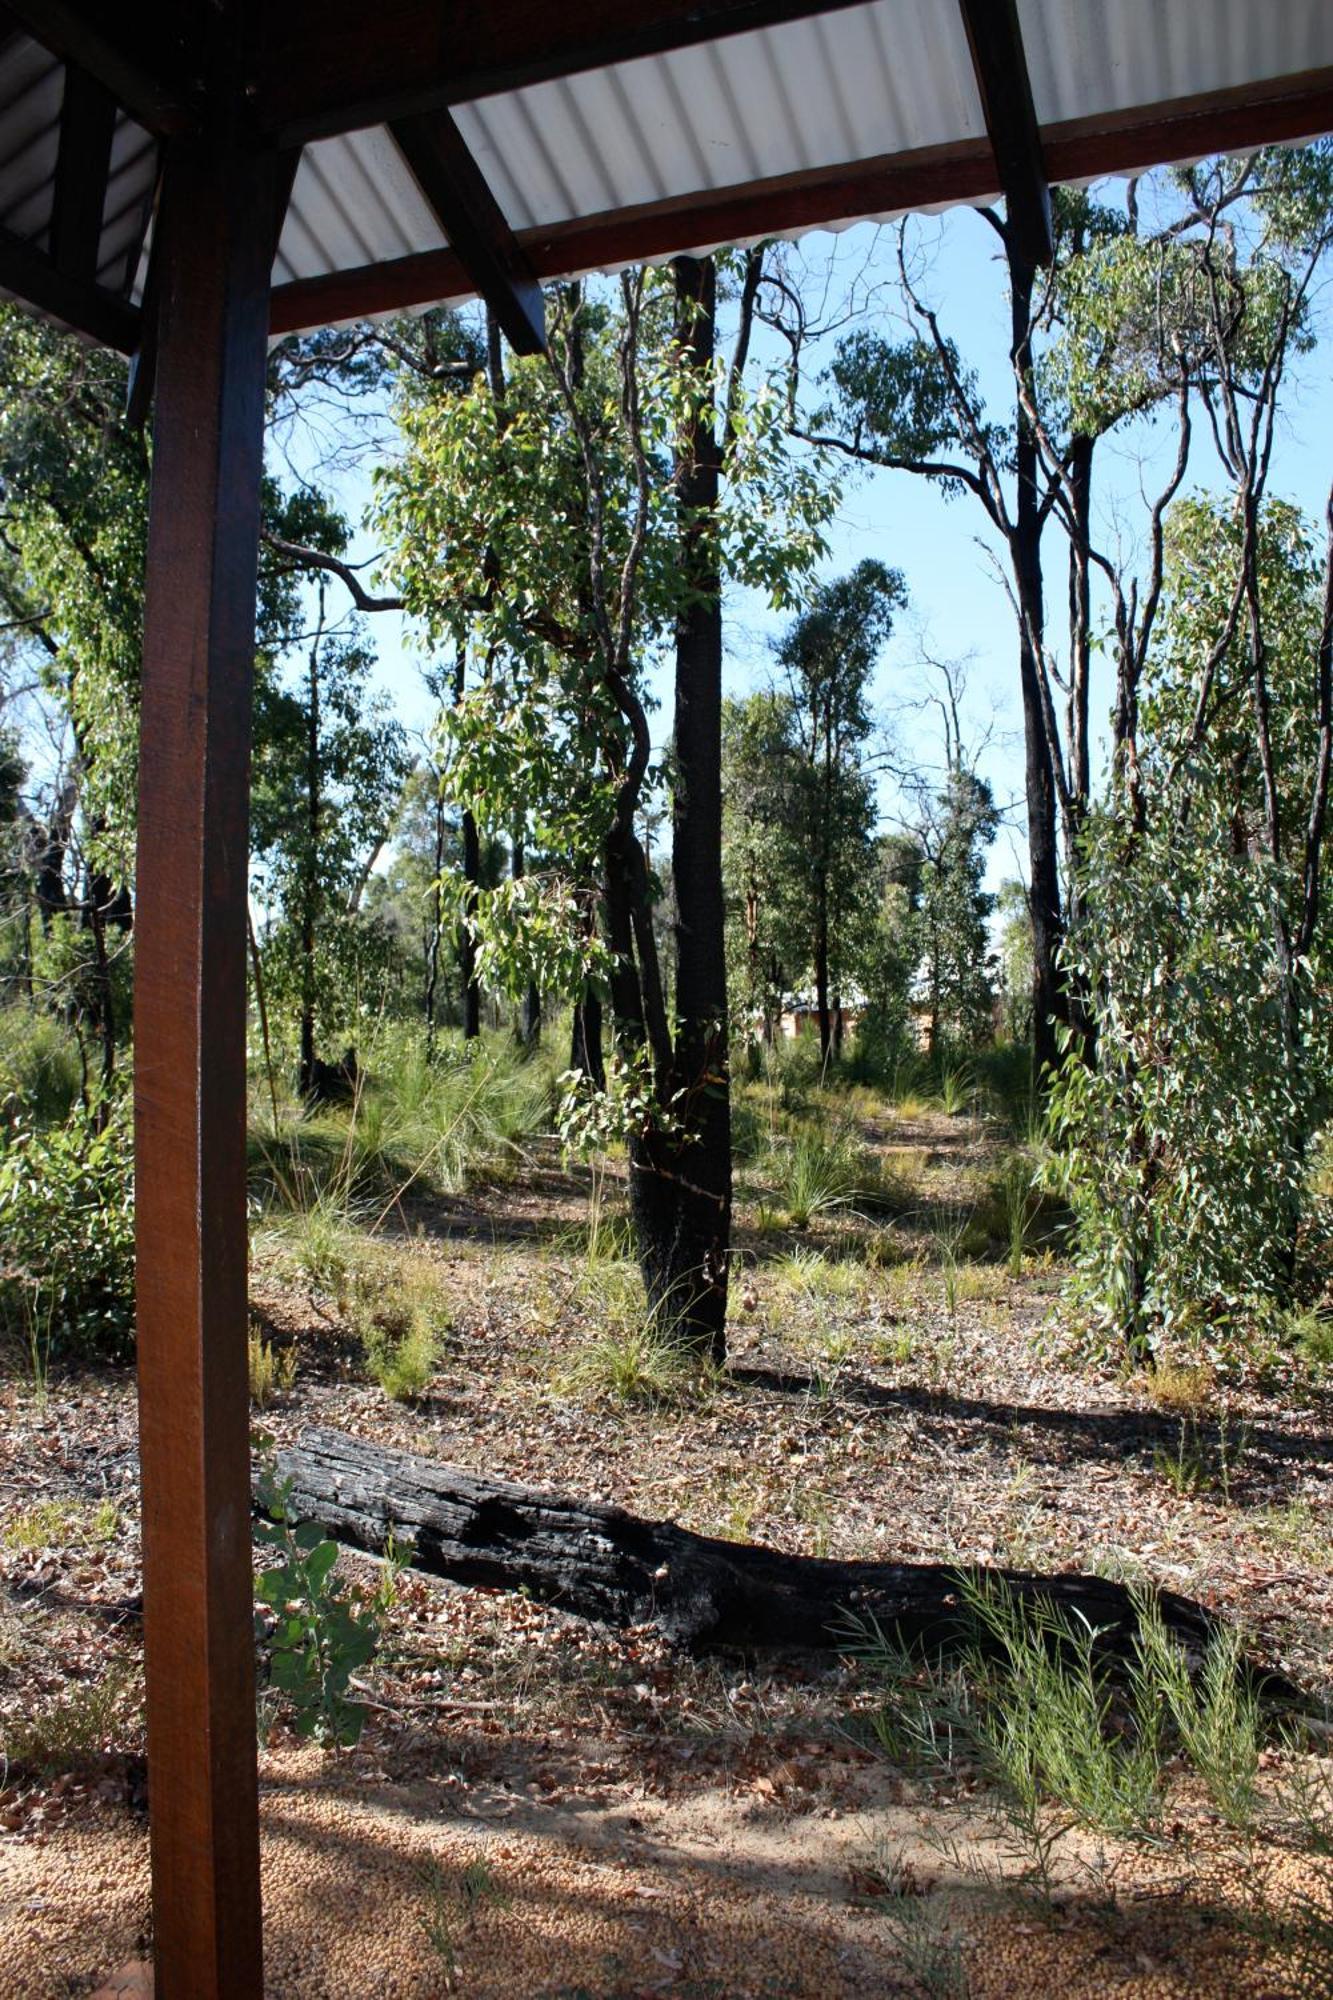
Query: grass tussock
{"points": [[1031, 1703]]}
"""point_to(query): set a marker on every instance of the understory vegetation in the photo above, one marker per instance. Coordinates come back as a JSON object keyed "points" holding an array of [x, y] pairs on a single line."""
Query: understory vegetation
{"points": [[661, 1097]]}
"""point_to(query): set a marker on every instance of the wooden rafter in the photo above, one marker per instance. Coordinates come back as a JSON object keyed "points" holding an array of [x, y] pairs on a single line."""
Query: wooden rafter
{"points": [[655, 229], [140, 52], [83, 164], [1113, 142], [327, 66], [475, 225], [996, 42], [32, 278]]}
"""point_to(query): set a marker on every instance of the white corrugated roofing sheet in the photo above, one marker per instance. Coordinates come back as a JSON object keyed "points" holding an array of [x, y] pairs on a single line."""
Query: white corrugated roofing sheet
{"points": [[846, 86], [850, 86]]}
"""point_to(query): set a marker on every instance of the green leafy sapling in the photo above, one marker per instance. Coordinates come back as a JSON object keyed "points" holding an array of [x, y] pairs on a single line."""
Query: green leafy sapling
{"points": [[313, 1630]]}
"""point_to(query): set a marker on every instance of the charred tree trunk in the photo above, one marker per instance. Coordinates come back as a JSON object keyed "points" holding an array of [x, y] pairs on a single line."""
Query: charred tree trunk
{"points": [[617, 1569], [467, 944], [310, 888], [435, 923], [1081, 1011], [681, 1178], [585, 1041], [1048, 1002], [528, 1020], [467, 947]]}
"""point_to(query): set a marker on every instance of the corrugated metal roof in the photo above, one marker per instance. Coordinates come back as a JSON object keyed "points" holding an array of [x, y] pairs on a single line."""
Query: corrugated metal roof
{"points": [[1085, 58], [857, 85], [884, 78]]}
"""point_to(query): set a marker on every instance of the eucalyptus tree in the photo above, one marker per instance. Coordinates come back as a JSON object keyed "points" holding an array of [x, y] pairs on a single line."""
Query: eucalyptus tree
{"points": [[766, 944], [1186, 1154], [827, 659], [566, 537], [329, 768]]}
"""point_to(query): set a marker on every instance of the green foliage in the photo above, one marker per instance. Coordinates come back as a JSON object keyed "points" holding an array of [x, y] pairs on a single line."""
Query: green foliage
{"points": [[1065, 1738], [904, 402], [39, 1064], [314, 1631], [77, 1726], [67, 1226], [1185, 1153], [819, 1174], [403, 1365], [534, 527]]}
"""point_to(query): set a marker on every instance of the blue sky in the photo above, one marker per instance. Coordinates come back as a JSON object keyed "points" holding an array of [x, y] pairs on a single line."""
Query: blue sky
{"points": [[958, 608]]}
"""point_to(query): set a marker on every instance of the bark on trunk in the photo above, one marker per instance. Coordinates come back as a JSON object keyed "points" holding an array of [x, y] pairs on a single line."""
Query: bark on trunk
{"points": [[615, 1568], [681, 1179], [310, 888], [1048, 1006], [467, 949], [528, 1014]]}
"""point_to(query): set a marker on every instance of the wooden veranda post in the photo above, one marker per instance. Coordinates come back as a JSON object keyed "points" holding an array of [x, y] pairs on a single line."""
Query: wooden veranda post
{"points": [[217, 213]]}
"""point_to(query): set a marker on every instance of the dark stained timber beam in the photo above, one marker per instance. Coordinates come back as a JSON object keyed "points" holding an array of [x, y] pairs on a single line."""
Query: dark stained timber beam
{"points": [[934, 174], [1126, 141], [141, 52], [86, 308], [472, 220], [327, 66], [216, 218], [83, 164], [996, 42]]}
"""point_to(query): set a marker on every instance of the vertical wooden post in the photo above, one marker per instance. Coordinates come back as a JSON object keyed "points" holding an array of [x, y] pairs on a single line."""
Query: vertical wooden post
{"points": [[217, 219]]}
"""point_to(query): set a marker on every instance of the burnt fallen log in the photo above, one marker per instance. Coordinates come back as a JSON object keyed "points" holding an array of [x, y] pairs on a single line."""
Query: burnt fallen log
{"points": [[615, 1568]]}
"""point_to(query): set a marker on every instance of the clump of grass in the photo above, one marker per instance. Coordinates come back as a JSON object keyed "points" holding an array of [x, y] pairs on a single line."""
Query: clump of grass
{"points": [[1020, 1201], [632, 1365], [818, 1174], [61, 1524], [1031, 1701], [453, 1907], [957, 1091], [77, 1727], [272, 1370], [1182, 1388], [1312, 1335], [1203, 1464], [928, 1955], [405, 1365], [814, 1276]]}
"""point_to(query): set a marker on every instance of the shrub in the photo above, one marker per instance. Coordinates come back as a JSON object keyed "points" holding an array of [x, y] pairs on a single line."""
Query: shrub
{"points": [[403, 1364], [313, 1631], [39, 1065], [1031, 1700], [67, 1226]]}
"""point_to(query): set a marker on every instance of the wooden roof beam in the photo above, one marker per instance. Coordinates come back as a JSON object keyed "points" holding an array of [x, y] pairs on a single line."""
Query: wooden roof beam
{"points": [[475, 225], [83, 166], [996, 42], [328, 66], [934, 174], [140, 53], [32, 278]]}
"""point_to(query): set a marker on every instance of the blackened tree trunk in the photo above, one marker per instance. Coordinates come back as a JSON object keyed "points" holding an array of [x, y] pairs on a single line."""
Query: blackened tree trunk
{"points": [[585, 1041], [435, 921], [681, 1177], [1048, 1002], [467, 946], [1079, 1000], [528, 1020], [603, 1564], [822, 1009], [310, 888]]}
